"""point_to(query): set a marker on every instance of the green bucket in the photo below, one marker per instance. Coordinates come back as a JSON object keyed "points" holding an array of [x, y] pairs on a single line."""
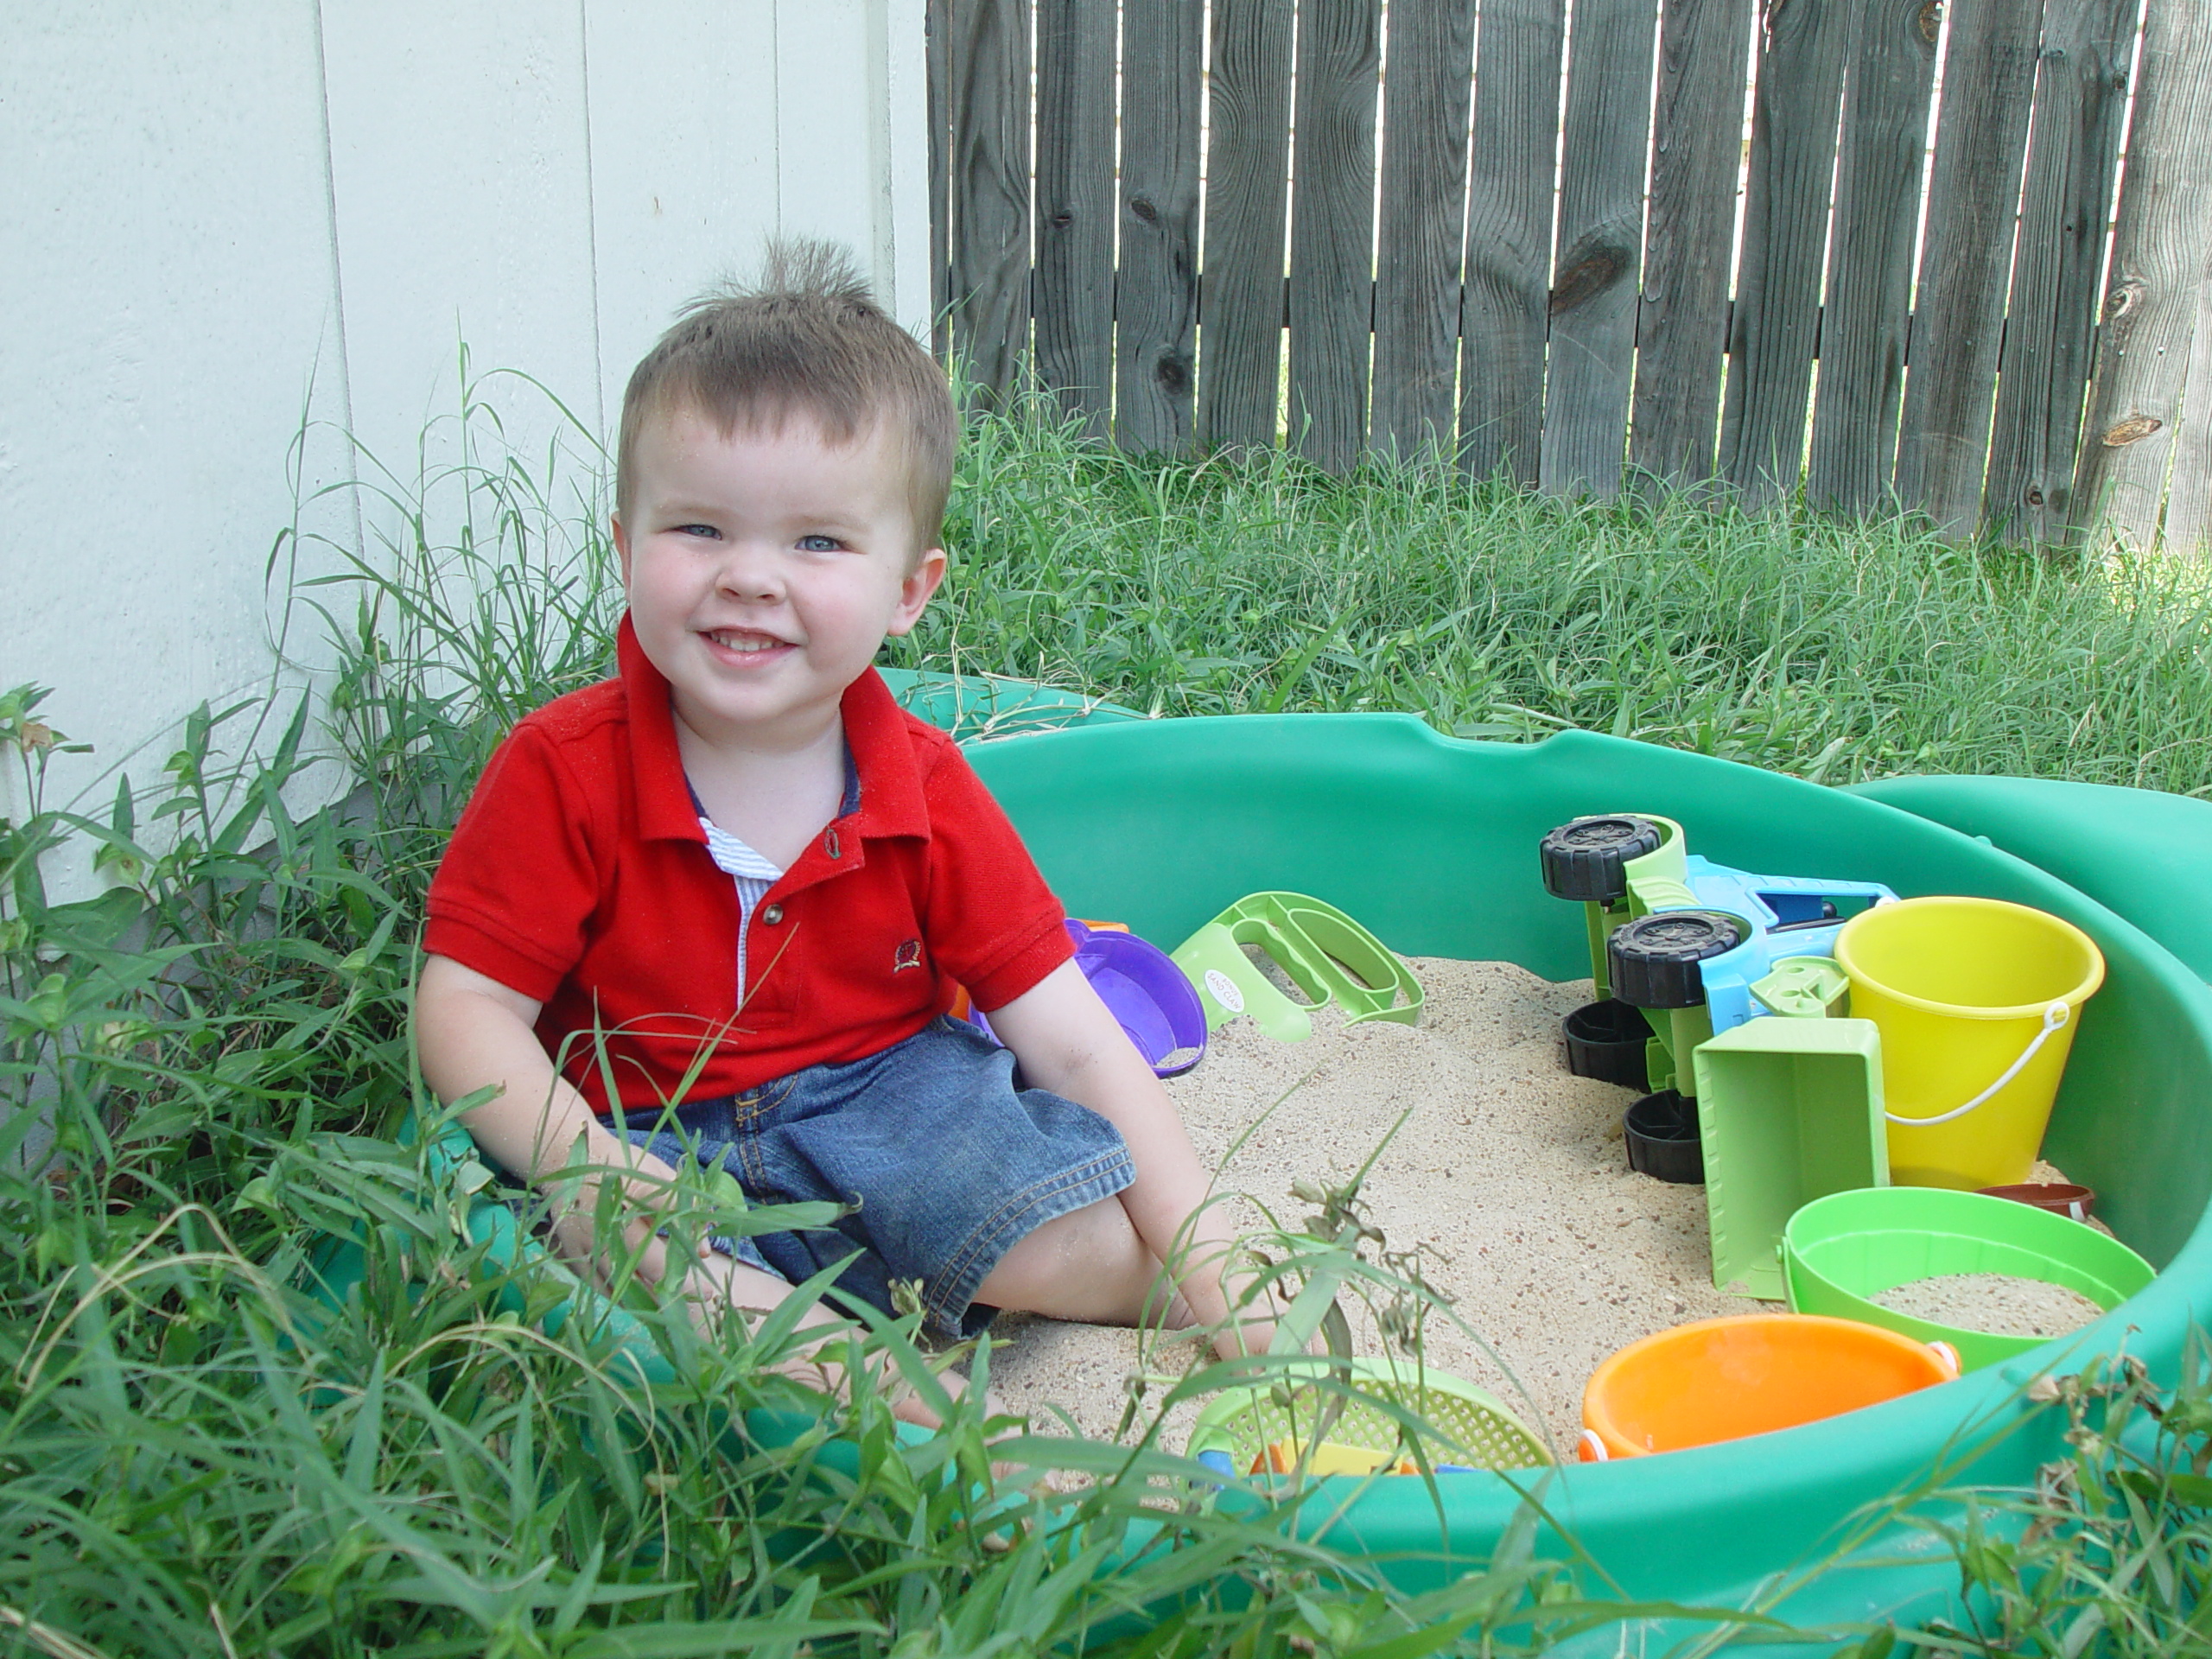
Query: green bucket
{"points": [[1840, 1252]]}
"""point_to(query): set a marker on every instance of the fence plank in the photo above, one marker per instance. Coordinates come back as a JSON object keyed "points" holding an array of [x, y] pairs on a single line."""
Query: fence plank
{"points": [[2188, 528], [1988, 78], [2073, 145], [2157, 261], [1794, 119], [1156, 299], [936, 23], [1593, 300], [1332, 230], [1869, 302], [1503, 312], [1241, 298], [1074, 294], [1424, 202], [988, 185], [1682, 312]]}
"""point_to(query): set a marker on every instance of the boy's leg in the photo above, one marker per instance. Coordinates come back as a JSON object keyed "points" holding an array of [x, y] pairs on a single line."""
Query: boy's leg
{"points": [[1087, 1265], [715, 1286], [728, 1276], [1090, 1267], [986, 1194]]}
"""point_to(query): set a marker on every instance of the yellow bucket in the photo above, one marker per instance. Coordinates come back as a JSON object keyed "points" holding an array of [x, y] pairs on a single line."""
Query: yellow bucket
{"points": [[1976, 1001]]}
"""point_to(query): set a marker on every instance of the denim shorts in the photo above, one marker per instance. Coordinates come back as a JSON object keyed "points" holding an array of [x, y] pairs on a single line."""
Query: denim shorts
{"points": [[950, 1162]]}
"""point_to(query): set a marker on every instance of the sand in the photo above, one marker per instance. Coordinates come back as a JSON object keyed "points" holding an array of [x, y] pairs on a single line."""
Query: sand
{"points": [[1998, 1303], [1510, 1175]]}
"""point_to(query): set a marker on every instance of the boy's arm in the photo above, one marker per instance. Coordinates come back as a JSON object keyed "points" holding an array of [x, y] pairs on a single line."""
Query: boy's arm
{"points": [[471, 1031], [1068, 1042]]}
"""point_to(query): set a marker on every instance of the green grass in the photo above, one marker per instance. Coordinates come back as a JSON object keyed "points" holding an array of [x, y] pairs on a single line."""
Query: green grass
{"points": [[1835, 651], [196, 1459], [2111, 1553]]}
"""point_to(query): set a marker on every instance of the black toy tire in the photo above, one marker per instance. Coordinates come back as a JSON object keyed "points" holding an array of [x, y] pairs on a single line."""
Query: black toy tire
{"points": [[1652, 962], [1662, 1136], [1582, 858], [1607, 1040]]}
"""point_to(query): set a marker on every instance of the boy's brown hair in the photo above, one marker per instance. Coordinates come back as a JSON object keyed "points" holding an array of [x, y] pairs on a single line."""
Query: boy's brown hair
{"points": [[805, 338]]}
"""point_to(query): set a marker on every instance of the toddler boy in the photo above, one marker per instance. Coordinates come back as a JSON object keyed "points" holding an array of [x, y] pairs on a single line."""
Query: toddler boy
{"points": [[740, 881]]}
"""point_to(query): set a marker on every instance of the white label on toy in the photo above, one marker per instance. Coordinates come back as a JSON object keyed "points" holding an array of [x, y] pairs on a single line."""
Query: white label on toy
{"points": [[1225, 990]]}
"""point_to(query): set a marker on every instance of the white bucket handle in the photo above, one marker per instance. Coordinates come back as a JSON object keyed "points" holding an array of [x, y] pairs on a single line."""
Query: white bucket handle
{"points": [[2054, 1018], [1596, 1446], [1946, 1357]]}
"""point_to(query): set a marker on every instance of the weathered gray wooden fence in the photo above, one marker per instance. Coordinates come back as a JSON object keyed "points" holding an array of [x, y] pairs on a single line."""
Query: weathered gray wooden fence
{"points": [[1201, 263]]}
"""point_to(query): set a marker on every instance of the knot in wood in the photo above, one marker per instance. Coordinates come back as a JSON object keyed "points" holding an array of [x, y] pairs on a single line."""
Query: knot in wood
{"points": [[1174, 373], [1062, 220], [2130, 430], [2126, 296], [1585, 275], [1931, 21], [1144, 210]]}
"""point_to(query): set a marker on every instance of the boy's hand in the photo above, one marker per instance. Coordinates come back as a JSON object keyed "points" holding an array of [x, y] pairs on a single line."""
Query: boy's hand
{"points": [[643, 1247]]}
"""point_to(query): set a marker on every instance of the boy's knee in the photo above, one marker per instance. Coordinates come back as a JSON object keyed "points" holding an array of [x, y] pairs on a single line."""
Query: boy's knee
{"points": [[1097, 1235]]}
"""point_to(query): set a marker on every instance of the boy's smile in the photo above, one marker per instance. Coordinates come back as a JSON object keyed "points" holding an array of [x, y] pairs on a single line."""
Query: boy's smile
{"points": [[765, 568]]}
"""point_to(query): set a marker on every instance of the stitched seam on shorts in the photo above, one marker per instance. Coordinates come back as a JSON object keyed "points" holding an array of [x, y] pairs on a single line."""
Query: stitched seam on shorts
{"points": [[765, 1099], [745, 1126], [1028, 1198]]}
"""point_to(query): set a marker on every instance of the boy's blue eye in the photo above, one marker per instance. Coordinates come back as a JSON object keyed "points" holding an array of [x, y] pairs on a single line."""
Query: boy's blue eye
{"points": [[708, 531], [819, 544]]}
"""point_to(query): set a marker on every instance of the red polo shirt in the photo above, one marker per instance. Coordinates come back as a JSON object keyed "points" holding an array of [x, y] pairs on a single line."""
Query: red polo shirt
{"points": [[579, 876]]}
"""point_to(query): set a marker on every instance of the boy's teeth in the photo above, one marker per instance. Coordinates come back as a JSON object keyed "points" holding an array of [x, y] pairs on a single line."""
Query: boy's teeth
{"points": [[746, 641]]}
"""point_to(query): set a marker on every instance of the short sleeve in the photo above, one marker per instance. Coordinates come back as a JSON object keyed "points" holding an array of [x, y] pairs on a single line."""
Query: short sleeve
{"points": [[992, 923], [515, 891]]}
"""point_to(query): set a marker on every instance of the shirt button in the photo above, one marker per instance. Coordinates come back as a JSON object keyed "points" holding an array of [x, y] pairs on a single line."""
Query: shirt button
{"points": [[773, 914]]}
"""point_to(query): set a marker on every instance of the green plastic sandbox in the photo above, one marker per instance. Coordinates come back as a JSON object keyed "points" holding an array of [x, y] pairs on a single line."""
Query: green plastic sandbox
{"points": [[1431, 842]]}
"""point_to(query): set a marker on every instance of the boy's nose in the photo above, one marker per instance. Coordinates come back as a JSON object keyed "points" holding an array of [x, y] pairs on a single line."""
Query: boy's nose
{"points": [[750, 572]]}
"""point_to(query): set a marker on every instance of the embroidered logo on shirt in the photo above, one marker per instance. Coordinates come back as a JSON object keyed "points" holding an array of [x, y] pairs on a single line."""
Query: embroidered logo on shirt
{"points": [[908, 955]]}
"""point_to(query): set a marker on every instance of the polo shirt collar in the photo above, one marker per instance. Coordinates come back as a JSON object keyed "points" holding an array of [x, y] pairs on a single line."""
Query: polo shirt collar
{"points": [[891, 783], [664, 809], [891, 801]]}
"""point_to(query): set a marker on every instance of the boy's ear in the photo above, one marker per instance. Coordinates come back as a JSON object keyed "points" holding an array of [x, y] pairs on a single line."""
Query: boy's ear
{"points": [[621, 545], [914, 592]]}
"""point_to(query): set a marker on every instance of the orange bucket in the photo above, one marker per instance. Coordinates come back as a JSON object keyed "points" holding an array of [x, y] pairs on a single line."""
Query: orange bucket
{"points": [[1747, 1374]]}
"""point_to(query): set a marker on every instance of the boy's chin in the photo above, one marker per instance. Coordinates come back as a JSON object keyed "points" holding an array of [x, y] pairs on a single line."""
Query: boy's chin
{"points": [[740, 718]]}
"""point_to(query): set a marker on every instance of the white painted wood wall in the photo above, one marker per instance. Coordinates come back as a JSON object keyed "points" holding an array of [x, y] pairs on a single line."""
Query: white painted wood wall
{"points": [[224, 218]]}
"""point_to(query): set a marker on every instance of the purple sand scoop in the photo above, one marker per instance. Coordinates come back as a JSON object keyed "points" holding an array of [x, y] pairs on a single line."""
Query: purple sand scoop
{"points": [[1145, 991]]}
